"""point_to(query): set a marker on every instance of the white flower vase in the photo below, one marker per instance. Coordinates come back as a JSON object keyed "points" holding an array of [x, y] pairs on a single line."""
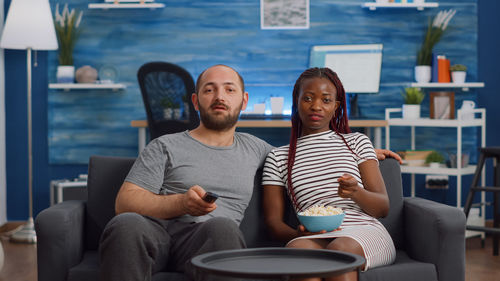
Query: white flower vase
{"points": [[65, 74], [458, 76], [167, 113], [423, 73], [177, 113], [277, 105], [411, 111]]}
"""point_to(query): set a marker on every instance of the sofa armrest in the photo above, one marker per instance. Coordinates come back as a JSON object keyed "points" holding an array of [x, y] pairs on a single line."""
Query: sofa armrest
{"points": [[435, 233], [60, 235]]}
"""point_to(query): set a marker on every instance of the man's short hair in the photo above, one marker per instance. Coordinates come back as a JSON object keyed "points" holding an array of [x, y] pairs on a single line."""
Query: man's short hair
{"points": [[197, 87]]}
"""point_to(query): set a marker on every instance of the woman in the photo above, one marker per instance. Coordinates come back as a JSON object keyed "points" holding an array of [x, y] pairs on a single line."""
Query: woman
{"points": [[329, 166]]}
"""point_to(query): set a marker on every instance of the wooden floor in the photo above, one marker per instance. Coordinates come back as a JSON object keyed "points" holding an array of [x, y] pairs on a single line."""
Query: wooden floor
{"points": [[20, 261]]}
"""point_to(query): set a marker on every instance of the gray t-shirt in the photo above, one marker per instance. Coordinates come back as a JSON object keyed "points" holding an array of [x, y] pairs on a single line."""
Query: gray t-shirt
{"points": [[173, 163]]}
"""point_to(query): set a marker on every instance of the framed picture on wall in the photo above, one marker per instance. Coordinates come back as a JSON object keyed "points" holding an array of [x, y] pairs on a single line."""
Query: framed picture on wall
{"points": [[284, 14], [442, 105]]}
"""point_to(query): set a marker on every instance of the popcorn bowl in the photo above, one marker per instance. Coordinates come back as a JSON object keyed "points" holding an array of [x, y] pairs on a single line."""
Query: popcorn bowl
{"points": [[319, 223]]}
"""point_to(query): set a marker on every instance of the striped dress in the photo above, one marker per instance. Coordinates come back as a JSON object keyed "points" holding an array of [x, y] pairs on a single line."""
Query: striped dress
{"points": [[320, 160]]}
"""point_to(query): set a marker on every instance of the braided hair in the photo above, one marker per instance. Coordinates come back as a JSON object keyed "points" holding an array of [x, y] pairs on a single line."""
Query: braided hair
{"points": [[338, 123]]}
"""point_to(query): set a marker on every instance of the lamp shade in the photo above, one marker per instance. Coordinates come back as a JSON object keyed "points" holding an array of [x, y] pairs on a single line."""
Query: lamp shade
{"points": [[29, 24]]}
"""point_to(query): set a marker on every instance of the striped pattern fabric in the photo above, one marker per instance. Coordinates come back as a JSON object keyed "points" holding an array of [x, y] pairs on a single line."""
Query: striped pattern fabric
{"points": [[320, 160]]}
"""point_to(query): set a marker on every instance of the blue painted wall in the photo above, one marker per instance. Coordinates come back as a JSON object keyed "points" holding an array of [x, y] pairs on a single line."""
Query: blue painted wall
{"points": [[70, 126]]}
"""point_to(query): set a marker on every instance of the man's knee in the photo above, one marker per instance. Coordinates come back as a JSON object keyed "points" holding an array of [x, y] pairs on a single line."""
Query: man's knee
{"points": [[125, 227], [223, 231], [125, 221]]}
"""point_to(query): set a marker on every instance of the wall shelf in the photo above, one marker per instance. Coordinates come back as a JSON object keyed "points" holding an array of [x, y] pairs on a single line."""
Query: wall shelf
{"points": [[469, 170], [106, 6], [87, 86], [464, 86], [427, 122], [419, 6]]}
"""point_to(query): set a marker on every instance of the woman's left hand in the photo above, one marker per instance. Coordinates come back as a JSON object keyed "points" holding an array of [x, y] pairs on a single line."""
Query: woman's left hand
{"points": [[385, 153], [347, 186], [302, 231]]}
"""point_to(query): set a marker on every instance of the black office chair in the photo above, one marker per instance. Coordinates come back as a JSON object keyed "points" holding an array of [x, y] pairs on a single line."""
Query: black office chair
{"points": [[166, 91]]}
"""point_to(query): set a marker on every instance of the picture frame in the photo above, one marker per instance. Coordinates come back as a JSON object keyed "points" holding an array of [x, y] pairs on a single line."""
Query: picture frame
{"points": [[284, 14], [442, 105]]}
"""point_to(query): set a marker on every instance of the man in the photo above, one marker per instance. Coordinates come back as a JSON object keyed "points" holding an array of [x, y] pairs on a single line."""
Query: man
{"points": [[162, 219]]}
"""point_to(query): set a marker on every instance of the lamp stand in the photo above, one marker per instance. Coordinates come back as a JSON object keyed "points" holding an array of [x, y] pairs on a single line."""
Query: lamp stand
{"points": [[27, 233]]}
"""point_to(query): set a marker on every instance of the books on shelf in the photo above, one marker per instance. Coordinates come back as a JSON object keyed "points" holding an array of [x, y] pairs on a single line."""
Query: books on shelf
{"points": [[443, 69], [434, 68]]}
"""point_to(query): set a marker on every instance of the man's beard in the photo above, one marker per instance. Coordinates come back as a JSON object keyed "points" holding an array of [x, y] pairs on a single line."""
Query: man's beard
{"points": [[219, 123]]}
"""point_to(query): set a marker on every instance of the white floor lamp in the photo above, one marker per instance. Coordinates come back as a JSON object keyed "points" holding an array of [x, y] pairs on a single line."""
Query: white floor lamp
{"points": [[29, 26]]}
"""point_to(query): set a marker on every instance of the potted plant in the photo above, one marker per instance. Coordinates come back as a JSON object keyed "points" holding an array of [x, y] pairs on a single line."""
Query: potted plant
{"points": [[413, 97], [168, 107], [433, 34], [434, 159], [458, 73], [67, 25]]}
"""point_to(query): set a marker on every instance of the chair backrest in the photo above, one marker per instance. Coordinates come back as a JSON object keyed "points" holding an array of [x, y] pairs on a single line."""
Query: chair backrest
{"points": [[165, 85], [105, 177], [393, 222]]}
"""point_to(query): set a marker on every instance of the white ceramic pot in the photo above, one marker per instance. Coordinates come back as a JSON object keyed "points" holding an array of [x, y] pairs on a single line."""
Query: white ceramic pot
{"points": [[382, 1], [177, 113], [259, 108], [423, 73], [434, 165], [458, 76], [277, 105], [418, 1], [411, 111], [167, 113], [65, 74]]}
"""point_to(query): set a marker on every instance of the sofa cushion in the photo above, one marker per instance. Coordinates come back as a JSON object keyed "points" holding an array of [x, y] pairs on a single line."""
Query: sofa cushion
{"points": [[87, 269], [404, 268]]}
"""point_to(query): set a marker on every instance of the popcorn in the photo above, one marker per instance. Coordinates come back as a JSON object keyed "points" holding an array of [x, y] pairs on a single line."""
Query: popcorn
{"points": [[321, 210]]}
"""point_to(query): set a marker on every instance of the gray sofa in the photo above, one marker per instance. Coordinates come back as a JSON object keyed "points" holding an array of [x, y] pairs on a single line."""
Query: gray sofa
{"points": [[429, 236]]}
